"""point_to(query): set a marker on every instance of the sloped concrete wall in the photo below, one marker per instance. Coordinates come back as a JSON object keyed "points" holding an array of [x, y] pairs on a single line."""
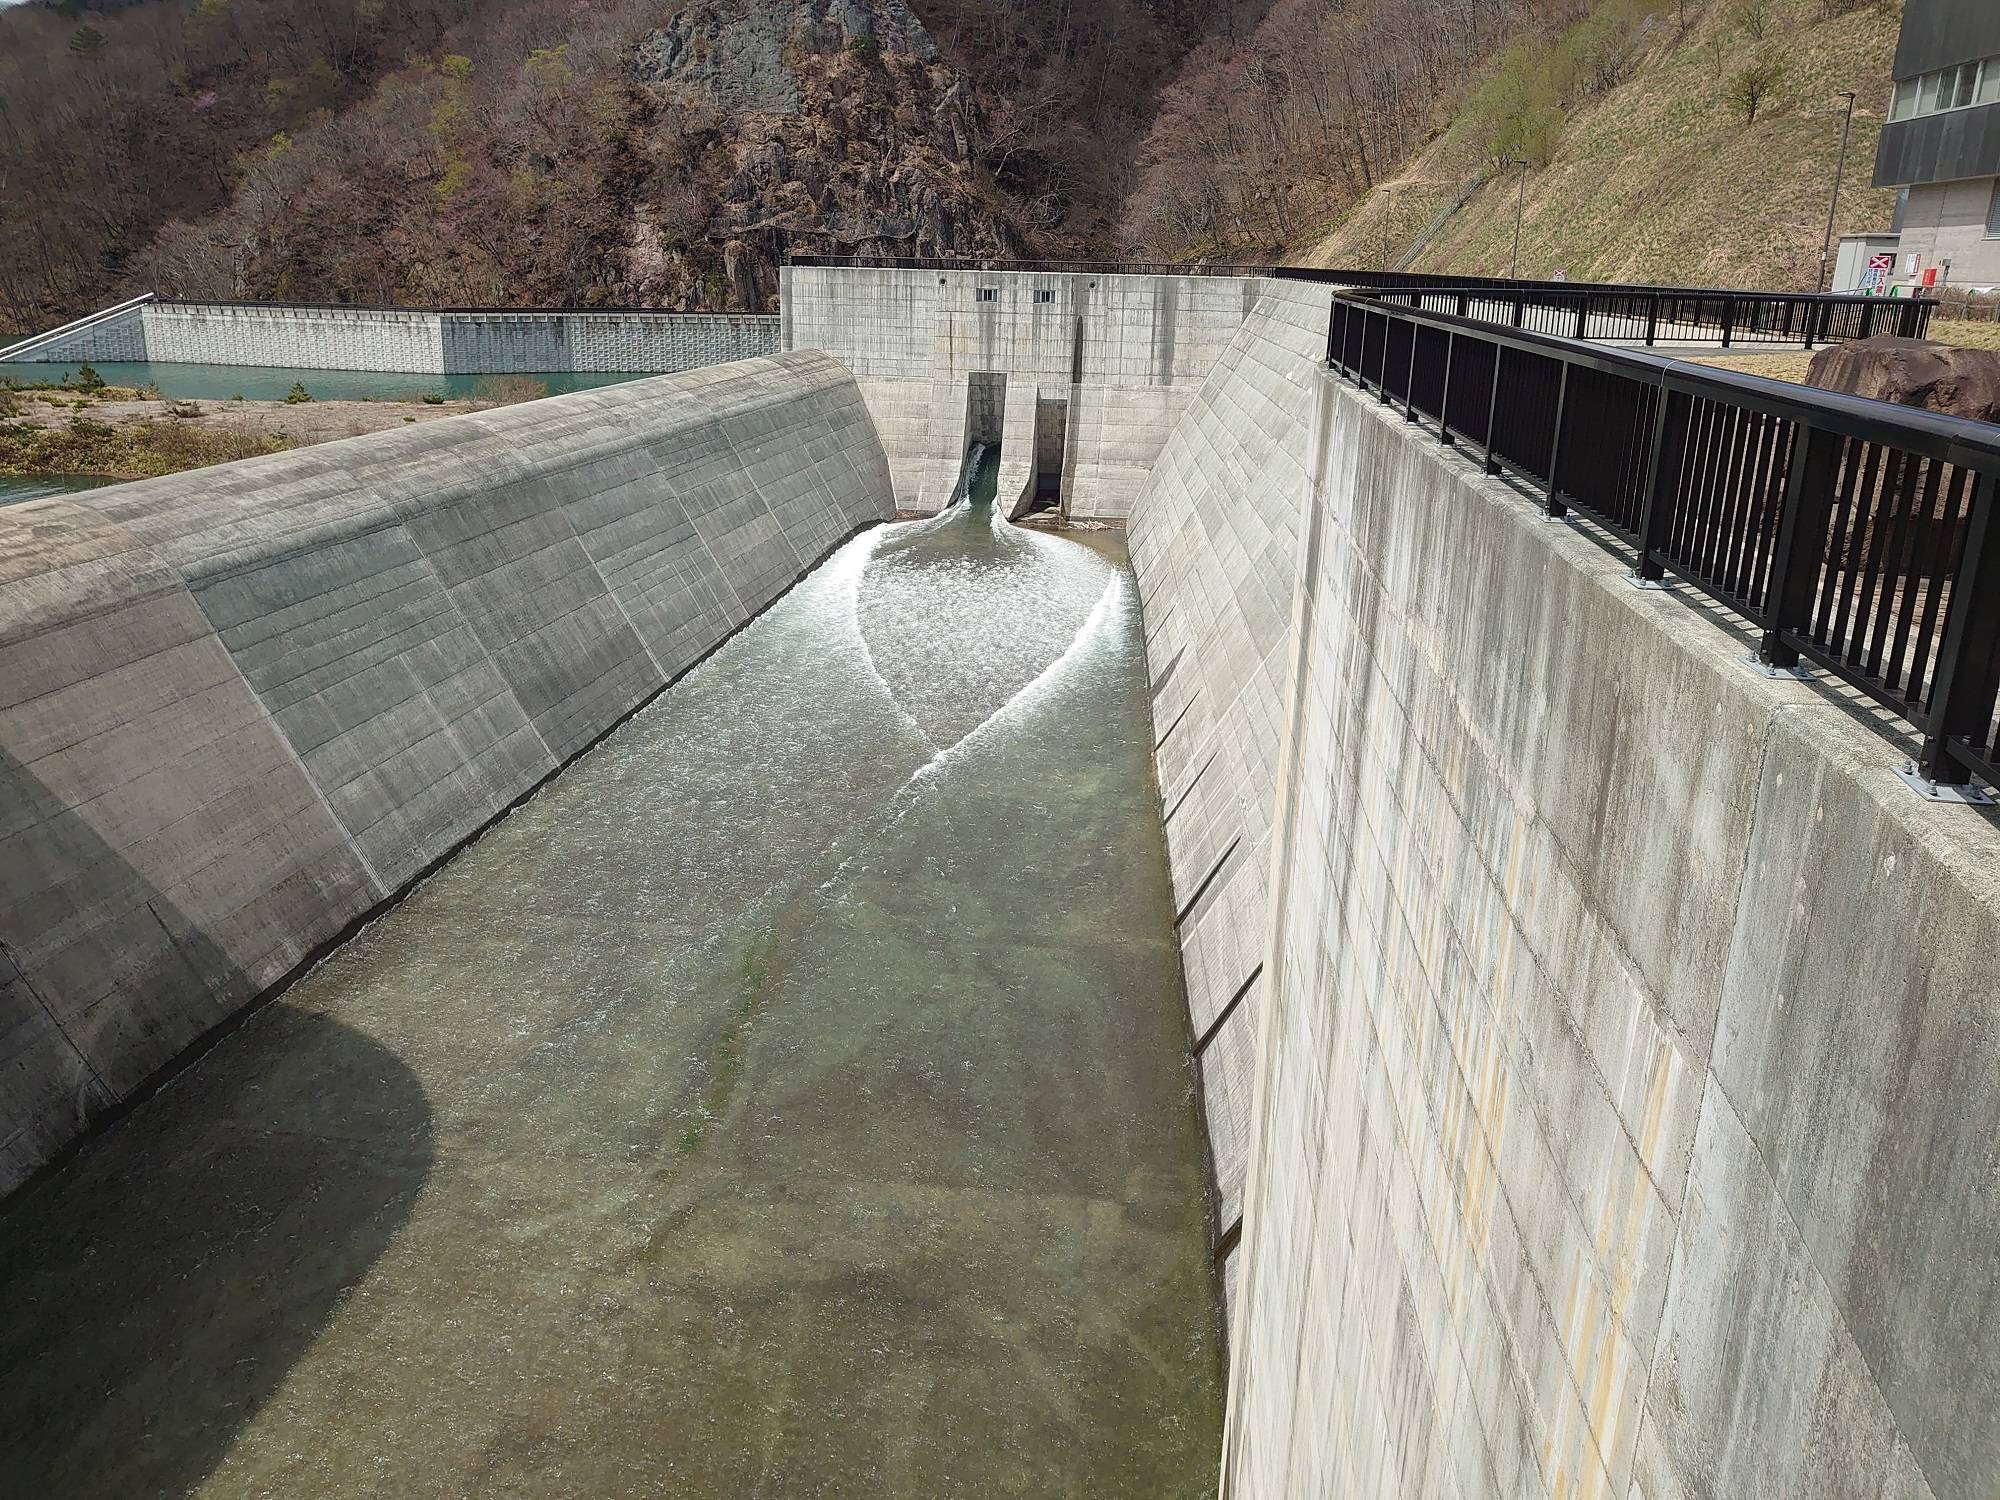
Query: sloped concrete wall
{"points": [[1138, 347], [240, 707], [1627, 1045], [1214, 540]]}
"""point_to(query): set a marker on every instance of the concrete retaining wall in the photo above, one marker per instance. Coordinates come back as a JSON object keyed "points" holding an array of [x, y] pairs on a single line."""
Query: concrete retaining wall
{"points": [[242, 706], [417, 342], [1626, 1047], [1213, 539], [1128, 353]]}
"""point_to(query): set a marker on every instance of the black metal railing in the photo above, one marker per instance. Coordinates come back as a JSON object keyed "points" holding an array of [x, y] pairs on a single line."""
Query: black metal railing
{"points": [[1672, 315], [1855, 534]]}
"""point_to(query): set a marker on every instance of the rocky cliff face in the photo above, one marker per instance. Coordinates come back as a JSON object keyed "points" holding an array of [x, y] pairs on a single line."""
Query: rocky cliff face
{"points": [[828, 126]]}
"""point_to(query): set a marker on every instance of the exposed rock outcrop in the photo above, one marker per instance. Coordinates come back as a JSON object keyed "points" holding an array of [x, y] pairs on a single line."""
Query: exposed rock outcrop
{"points": [[829, 126], [743, 54], [1914, 372]]}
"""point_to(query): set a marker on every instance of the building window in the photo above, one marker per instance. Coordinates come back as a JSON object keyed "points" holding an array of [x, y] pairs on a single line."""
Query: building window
{"points": [[1957, 87], [1993, 212], [1045, 296], [986, 294]]}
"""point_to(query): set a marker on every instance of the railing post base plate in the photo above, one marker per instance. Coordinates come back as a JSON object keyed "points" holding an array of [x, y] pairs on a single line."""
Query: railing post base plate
{"points": [[1941, 791], [1638, 581], [1797, 673]]}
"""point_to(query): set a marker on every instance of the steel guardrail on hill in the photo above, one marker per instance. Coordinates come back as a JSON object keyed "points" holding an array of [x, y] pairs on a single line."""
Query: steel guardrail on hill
{"points": [[1856, 534]]}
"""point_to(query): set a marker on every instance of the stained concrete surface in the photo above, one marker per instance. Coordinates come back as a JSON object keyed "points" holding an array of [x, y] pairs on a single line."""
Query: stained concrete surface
{"points": [[789, 1100], [278, 690], [1627, 1049]]}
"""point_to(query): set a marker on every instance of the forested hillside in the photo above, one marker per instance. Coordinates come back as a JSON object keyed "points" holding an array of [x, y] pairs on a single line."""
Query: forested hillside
{"points": [[672, 152], [657, 152], [1700, 148]]}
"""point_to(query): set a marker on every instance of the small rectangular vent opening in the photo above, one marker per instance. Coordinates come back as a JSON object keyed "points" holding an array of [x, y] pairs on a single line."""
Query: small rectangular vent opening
{"points": [[986, 294]]}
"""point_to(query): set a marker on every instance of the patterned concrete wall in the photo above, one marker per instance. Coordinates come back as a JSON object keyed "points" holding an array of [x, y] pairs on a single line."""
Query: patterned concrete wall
{"points": [[1140, 347], [1627, 1045], [510, 343], [1214, 543], [433, 343], [293, 338], [242, 706]]}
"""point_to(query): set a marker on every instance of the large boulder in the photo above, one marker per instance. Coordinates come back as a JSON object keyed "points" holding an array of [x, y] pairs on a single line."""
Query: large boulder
{"points": [[1913, 372]]}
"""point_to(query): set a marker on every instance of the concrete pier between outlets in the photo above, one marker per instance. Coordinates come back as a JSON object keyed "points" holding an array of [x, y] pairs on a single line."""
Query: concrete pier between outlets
{"points": [[241, 707], [1623, 1031]]}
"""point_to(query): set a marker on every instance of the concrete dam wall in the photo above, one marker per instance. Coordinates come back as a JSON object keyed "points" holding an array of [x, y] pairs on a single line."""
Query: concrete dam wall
{"points": [[1107, 362], [416, 341], [1623, 1030], [241, 707]]}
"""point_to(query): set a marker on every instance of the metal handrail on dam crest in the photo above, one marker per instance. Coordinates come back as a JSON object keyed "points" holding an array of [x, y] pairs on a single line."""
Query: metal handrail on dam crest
{"points": [[1640, 314], [1854, 534]]}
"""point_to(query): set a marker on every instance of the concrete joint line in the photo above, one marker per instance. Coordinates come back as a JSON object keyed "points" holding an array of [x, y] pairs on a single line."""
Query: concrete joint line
{"points": [[62, 1031], [1186, 791], [1207, 881], [1173, 726], [1228, 1010], [1227, 1240]]}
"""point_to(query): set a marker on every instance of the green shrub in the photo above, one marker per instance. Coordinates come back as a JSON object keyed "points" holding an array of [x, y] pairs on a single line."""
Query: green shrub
{"points": [[1752, 88], [87, 379], [1516, 114], [298, 393], [432, 398]]}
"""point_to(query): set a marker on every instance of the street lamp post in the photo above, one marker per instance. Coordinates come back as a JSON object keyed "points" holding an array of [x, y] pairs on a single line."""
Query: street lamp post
{"points": [[1833, 208], [1520, 202]]}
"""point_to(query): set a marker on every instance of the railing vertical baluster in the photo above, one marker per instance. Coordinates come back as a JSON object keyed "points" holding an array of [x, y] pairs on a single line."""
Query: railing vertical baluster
{"points": [[1410, 378], [1801, 546], [1493, 409], [1553, 502], [1663, 478], [1444, 394], [1962, 695]]}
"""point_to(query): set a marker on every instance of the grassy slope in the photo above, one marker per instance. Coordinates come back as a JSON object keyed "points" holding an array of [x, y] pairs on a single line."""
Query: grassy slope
{"points": [[1659, 180]]}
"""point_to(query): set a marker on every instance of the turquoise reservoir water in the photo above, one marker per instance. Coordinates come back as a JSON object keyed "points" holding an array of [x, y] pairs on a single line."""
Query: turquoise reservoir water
{"points": [[15, 488], [790, 1100], [256, 383]]}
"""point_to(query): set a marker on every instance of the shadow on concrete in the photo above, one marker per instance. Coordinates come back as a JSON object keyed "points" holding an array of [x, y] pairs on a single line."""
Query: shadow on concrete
{"points": [[158, 1289]]}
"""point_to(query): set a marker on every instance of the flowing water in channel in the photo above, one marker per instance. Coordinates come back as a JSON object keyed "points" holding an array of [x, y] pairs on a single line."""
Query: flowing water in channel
{"points": [[789, 1100]]}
